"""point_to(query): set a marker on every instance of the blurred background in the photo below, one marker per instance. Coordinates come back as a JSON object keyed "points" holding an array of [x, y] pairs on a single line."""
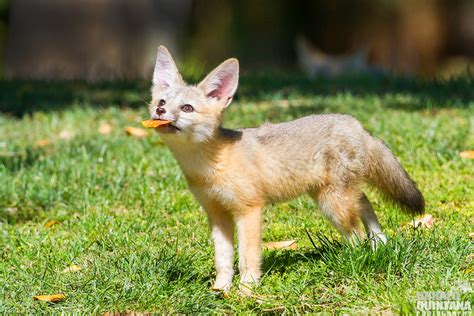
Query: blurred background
{"points": [[117, 39]]}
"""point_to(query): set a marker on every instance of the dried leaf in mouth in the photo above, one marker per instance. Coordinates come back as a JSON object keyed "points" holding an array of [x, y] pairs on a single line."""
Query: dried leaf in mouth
{"points": [[154, 123]]}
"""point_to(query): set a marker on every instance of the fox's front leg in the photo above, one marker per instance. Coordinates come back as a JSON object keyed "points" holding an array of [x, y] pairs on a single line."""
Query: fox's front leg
{"points": [[249, 226], [222, 231]]}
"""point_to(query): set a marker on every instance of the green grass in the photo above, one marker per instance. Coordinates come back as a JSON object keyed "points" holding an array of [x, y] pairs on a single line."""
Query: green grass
{"points": [[142, 240]]}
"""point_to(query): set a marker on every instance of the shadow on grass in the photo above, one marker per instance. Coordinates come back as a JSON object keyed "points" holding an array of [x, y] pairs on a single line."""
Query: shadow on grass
{"points": [[16, 161], [428, 93], [22, 206], [281, 261], [21, 213], [401, 255], [19, 97]]}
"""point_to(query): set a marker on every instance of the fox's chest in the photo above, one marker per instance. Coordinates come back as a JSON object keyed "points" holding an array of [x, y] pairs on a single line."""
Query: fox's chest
{"points": [[219, 180], [219, 187], [227, 189]]}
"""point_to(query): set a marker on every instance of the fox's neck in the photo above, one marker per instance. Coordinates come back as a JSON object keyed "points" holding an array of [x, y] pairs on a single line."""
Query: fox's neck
{"points": [[204, 158]]}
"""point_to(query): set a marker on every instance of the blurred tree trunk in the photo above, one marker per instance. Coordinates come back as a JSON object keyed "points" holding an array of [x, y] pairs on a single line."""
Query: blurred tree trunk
{"points": [[260, 33], [90, 39]]}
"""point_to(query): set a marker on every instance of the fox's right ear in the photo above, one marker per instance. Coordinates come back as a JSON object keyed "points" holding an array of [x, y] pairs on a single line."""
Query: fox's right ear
{"points": [[166, 73]]}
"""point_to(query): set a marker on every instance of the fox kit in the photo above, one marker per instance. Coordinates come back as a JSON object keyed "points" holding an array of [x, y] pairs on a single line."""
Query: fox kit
{"points": [[315, 62], [234, 173]]}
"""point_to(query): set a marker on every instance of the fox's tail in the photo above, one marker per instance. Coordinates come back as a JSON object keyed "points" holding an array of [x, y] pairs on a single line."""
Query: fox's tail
{"points": [[385, 173]]}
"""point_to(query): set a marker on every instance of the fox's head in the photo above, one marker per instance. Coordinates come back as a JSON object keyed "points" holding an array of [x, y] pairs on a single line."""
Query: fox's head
{"points": [[195, 111]]}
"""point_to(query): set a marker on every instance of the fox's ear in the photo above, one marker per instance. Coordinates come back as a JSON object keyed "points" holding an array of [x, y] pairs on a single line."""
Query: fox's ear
{"points": [[222, 82], [166, 73]]}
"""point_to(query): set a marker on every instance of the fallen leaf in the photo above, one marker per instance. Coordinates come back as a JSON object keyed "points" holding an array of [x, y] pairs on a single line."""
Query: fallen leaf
{"points": [[154, 123], [51, 223], [136, 132], [50, 298], [121, 211], [65, 134], [426, 221], [43, 142], [275, 310], [105, 129], [72, 268], [469, 154], [8, 154], [471, 235], [287, 244], [470, 258], [127, 313], [12, 211]]}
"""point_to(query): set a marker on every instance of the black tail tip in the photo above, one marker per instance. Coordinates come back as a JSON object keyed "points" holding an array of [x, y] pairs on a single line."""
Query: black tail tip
{"points": [[414, 203]]}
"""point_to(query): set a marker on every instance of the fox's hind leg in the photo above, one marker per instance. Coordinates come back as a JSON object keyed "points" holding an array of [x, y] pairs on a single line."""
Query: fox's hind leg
{"points": [[343, 209], [371, 224]]}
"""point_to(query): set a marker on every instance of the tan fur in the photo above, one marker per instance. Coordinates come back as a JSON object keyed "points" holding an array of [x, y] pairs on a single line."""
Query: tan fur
{"points": [[235, 173]]}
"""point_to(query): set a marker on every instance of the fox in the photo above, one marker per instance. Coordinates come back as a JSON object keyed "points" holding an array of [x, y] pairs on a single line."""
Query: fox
{"points": [[235, 173], [314, 62]]}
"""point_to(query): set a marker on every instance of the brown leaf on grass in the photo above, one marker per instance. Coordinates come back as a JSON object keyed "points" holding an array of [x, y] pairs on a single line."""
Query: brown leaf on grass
{"points": [[424, 221], [121, 211], [43, 142], [51, 223], [469, 154], [65, 134], [470, 258], [11, 211], [72, 268], [50, 298], [8, 154], [136, 132], [127, 313], [287, 244], [275, 310], [105, 129]]}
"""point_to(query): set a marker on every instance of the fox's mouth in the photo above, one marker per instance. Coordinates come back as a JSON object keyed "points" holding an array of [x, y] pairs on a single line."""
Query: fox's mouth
{"points": [[170, 128]]}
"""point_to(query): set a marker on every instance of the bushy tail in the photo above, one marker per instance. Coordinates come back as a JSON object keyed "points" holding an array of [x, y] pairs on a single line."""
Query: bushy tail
{"points": [[385, 173]]}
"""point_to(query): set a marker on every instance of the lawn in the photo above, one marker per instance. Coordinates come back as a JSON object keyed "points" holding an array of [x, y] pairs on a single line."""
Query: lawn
{"points": [[117, 206]]}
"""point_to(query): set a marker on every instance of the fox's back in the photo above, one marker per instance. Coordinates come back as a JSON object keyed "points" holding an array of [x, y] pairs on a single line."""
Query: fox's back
{"points": [[307, 131], [306, 152]]}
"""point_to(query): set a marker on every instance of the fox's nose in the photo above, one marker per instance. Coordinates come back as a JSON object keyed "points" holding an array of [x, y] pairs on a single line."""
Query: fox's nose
{"points": [[160, 111]]}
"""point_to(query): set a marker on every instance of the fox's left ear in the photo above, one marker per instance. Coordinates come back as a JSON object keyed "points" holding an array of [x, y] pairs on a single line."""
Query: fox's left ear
{"points": [[222, 82]]}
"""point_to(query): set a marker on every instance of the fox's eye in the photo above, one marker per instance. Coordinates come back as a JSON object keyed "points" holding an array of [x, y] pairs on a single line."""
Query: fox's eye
{"points": [[187, 108], [162, 102]]}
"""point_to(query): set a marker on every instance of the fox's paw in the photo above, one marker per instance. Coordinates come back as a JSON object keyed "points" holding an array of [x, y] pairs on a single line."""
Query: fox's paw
{"points": [[222, 285], [377, 240], [247, 283], [221, 292], [246, 288]]}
